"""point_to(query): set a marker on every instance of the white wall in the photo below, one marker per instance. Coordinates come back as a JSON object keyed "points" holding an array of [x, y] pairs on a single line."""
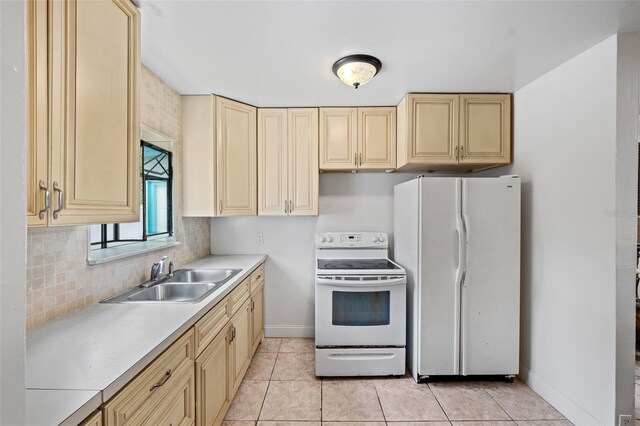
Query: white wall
{"points": [[12, 213], [348, 202], [565, 152]]}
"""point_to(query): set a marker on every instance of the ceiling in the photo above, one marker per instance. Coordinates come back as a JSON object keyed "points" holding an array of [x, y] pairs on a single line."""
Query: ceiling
{"points": [[279, 53]]}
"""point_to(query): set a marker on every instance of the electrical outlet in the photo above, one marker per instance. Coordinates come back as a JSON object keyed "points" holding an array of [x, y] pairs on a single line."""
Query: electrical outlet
{"points": [[260, 238], [625, 420]]}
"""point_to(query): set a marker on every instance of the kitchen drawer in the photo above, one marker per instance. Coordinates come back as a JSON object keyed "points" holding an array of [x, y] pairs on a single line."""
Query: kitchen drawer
{"points": [[257, 276], [141, 396], [239, 295], [211, 324], [178, 407]]}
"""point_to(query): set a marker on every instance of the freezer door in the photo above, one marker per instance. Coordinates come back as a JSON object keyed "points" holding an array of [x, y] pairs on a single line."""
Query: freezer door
{"points": [[491, 284], [440, 265]]}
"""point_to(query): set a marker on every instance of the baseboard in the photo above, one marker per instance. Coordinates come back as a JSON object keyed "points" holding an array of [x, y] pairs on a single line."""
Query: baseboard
{"points": [[289, 331], [574, 413]]}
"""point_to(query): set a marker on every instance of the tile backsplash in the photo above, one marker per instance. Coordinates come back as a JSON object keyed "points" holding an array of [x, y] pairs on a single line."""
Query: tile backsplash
{"points": [[58, 278]]}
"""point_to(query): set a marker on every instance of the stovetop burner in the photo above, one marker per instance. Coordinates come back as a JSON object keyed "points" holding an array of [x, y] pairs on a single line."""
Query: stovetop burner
{"points": [[355, 264]]}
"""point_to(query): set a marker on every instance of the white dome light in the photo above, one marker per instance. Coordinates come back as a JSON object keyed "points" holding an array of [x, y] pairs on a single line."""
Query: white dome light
{"points": [[356, 70]]}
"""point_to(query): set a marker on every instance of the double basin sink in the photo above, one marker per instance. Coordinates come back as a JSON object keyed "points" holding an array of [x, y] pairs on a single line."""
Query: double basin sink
{"points": [[185, 286]]}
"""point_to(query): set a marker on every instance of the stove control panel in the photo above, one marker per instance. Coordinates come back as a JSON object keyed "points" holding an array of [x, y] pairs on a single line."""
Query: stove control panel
{"points": [[351, 239]]}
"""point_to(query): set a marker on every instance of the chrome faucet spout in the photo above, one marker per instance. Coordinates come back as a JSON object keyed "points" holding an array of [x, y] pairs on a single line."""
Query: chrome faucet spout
{"points": [[157, 269]]}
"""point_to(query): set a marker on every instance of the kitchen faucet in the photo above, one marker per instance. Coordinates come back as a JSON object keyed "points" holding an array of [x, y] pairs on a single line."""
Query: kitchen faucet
{"points": [[157, 270]]}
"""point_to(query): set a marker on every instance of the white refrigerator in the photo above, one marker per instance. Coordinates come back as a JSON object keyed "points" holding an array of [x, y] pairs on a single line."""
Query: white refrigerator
{"points": [[459, 241]]}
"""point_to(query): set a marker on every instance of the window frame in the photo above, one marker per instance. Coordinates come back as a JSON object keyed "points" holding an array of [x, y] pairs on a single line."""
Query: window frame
{"points": [[106, 249]]}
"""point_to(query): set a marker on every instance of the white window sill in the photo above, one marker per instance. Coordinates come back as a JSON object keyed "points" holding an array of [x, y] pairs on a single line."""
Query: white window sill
{"points": [[96, 257]]}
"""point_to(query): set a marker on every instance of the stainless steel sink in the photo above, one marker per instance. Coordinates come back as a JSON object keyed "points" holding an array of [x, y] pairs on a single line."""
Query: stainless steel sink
{"points": [[173, 292], [203, 275], [186, 286]]}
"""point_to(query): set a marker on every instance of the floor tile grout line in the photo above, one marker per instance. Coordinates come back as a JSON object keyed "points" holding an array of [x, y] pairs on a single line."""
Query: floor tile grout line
{"points": [[439, 404], [497, 403], [375, 388], [524, 420], [265, 392]]}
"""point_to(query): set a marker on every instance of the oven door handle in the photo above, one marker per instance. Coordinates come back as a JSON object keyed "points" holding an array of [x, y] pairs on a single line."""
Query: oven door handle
{"points": [[361, 284]]}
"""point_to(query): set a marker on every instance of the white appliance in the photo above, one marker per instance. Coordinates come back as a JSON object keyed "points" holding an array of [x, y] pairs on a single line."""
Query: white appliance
{"points": [[360, 306], [459, 240]]}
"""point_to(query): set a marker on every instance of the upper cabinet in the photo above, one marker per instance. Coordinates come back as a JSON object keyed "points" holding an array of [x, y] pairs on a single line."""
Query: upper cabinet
{"points": [[454, 132], [288, 182], [358, 138], [219, 147], [377, 138], [236, 158], [83, 72], [338, 138], [485, 129]]}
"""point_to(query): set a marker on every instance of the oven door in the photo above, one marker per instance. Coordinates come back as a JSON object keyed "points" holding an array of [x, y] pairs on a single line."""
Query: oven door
{"points": [[353, 312]]}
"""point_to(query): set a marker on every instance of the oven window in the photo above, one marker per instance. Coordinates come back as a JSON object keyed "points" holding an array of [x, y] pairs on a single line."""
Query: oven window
{"points": [[361, 308]]}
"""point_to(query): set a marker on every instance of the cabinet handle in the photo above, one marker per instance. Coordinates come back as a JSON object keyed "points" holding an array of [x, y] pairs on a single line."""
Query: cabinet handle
{"points": [[162, 381], [220, 207], [233, 333], [456, 152], [230, 332], [360, 156], [56, 188], [286, 206], [253, 305], [355, 159], [290, 207], [462, 152], [47, 199]]}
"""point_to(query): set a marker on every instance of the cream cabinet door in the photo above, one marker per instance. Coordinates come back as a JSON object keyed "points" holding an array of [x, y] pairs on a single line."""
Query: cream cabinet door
{"points": [[93, 420], [303, 162], [272, 162], [38, 185], [377, 138], [428, 129], [95, 124], [212, 381], [236, 163], [241, 345], [485, 129], [178, 408], [199, 154], [338, 138], [257, 316]]}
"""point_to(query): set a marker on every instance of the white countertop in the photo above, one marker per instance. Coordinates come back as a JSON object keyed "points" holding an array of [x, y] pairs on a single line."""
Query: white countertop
{"points": [[51, 407], [100, 348]]}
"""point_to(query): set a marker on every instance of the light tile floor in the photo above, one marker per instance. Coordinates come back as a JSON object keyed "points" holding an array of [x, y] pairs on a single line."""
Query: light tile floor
{"points": [[280, 389]]}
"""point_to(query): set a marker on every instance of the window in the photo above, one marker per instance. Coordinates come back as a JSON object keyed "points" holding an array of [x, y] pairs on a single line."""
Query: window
{"points": [[155, 228]]}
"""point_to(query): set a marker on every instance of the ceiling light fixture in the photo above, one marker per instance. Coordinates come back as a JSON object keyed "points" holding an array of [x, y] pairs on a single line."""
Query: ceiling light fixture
{"points": [[356, 70]]}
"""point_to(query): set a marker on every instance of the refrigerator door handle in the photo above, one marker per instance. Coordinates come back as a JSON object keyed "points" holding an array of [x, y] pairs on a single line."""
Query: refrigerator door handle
{"points": [[465, 227], [461, 250]]}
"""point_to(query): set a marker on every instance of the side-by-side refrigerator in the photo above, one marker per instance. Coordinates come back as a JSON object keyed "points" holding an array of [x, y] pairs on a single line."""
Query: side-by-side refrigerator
{"points": [[459, 240]]}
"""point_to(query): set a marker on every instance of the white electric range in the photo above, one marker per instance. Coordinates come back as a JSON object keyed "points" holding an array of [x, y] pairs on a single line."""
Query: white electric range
{"points": [[360, 306]]}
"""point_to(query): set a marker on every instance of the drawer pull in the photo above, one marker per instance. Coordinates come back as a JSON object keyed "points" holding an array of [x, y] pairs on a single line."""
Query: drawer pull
{"points": [[258, 277], [253, 305], [162, 381]]}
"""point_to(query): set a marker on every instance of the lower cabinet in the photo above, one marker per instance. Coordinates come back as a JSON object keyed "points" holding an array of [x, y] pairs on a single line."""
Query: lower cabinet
{"points": [[241, 345], [257, 315], [212, 381], [194, 380], [156, 389], [178, 406], [93, 420]]}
